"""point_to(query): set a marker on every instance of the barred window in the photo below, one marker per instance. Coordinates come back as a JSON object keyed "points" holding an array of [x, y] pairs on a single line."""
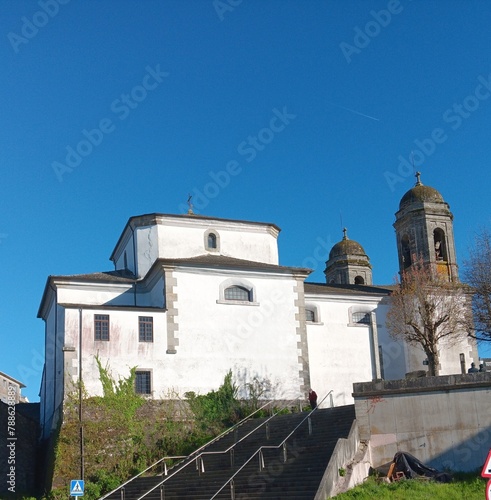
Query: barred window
{"points": [[145, 329], [101, 326], [143, 382], [361, 318], [237, 293]]}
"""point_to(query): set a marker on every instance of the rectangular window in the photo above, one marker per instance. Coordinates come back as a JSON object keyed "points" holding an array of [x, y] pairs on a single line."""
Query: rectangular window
{"points": [[145, 328], [101, 326], [143, 383], [362, 318]]}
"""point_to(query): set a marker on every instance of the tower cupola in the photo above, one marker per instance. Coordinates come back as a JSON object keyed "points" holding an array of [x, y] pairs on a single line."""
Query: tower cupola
{"points": [[348, 263]]}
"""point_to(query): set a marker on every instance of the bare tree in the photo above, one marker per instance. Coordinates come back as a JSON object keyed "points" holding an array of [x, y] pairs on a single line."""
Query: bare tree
{"points": [[428, 311], [477, 273]]}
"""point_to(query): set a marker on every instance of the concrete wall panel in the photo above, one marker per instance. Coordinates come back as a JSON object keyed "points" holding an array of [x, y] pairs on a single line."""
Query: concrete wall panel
{"points": [[439, 420]]}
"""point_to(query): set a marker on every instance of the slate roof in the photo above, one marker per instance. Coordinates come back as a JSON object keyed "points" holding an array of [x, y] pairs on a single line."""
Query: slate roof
{"points": [[322, 288], [121, 276], [224, 261]]}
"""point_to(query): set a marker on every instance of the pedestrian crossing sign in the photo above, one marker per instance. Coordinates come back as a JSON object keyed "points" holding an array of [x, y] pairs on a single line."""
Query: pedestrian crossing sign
{"points": [[76, 488]]}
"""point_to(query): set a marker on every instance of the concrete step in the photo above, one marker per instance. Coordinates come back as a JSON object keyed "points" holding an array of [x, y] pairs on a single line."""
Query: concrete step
{"points": [[299, 477]]}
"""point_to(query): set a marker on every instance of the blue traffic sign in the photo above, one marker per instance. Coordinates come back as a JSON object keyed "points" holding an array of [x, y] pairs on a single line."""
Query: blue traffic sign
{"points": [[76, 488]]}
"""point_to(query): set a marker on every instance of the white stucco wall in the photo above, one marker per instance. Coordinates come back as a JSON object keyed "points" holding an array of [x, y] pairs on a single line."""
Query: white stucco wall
{"points": [[258, 340], [339, 354], [126, 247], [394, 353], [51, 390], [47, 390], [178, 238], [114, 294], [252, 340]]}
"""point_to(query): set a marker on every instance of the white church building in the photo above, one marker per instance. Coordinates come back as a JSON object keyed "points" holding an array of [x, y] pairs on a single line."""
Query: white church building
{"points": [[192, 297]]}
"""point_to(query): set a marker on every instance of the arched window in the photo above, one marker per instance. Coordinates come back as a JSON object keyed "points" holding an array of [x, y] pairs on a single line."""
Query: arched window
{"points": [[440, 245], [406, 252], [212, 240], [310, 315], [359, 280], [359, 316], [237, 293]]}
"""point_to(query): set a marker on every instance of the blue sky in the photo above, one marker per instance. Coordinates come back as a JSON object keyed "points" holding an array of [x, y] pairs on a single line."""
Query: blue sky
{"points": [[303, 113]]}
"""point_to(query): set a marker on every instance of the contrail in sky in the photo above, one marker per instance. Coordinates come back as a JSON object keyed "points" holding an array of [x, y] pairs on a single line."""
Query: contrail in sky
{"points": [[353, 111]]}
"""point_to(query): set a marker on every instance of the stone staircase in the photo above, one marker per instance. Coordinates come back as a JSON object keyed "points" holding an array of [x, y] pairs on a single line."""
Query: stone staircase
{"points": [[293, 470]]}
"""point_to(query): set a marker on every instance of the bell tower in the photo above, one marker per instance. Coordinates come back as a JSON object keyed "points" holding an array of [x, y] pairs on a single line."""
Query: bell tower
{"points": [[424, 230]]}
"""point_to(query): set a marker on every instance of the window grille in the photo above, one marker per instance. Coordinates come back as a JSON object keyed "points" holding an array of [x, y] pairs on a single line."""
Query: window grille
{"points": [[361, 318], [237, 293], [145, 329], [142, 382], [101, 326]]}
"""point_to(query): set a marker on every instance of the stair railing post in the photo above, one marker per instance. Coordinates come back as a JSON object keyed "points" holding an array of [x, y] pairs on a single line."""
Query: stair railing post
{"points": [[261, 461], [232, 457], [232, 490], [165, 468], [285, 455], [309, 420], [331, 401], [200, 465], [122, 493], [236, 435], [162, 492]]}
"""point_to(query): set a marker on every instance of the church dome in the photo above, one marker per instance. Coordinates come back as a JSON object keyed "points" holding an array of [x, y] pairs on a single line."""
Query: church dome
{"points": [[348, 263], [346, 247], [421, 193]]}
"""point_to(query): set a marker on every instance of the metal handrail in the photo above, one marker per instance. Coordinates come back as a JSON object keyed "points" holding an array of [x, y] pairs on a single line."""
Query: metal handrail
{"points": [[139, 474], [259, 450], [216, 438], [195, 460]]}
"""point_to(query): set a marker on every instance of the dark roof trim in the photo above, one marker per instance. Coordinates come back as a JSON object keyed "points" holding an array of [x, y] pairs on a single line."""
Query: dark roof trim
{"points": [[220, 261], [324, 288], [123, 277], [67, 305]]}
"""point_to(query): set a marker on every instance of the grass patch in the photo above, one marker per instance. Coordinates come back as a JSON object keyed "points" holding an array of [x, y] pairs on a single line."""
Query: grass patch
{"points": [[464, 486]]}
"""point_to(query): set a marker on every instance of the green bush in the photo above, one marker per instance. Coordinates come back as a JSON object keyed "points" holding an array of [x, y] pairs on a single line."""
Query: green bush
{"points": [[219, 409]]}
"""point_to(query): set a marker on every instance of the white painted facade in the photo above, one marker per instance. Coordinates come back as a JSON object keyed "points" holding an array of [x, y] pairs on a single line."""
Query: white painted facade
{"points": [[166, 270]]}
